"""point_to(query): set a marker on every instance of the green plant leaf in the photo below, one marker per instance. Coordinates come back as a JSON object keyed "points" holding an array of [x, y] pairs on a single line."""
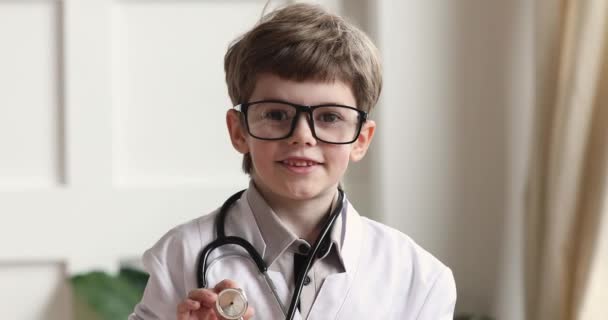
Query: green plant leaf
{"points": [[109, 297]]}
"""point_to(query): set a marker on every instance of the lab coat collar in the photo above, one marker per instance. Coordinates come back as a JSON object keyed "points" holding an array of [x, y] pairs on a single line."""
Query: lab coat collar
{"points": [[352, 233]]}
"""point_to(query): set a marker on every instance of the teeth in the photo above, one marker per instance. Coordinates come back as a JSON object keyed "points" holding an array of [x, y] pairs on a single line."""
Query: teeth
{"points": [[299, 163]]}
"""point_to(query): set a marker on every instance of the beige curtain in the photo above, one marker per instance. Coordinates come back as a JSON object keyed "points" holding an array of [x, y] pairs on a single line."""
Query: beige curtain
{"points": [[566, 195]]}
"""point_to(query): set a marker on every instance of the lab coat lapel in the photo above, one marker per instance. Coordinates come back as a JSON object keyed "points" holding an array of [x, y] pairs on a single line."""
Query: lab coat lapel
{"points": [[283, 291], [336, 287]]}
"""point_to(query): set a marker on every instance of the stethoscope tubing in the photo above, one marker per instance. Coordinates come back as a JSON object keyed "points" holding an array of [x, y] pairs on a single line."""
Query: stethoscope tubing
{"points": [[311, 256]]}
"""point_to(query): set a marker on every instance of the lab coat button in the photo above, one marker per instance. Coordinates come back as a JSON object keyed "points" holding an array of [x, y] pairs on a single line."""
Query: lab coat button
{"points": [[303, 248], [306, 280]]}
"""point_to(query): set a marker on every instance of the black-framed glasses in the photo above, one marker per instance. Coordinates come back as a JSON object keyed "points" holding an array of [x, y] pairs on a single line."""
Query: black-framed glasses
{"points": [[276, 120]]}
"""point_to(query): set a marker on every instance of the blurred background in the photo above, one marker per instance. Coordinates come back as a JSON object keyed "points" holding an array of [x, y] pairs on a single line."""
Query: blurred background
{"points": [[491, 148]]}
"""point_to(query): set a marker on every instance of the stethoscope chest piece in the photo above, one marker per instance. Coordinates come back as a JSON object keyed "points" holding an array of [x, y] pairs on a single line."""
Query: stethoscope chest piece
{"points": [[231, 303]]}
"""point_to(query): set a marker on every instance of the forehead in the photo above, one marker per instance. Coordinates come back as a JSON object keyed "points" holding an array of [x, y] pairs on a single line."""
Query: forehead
{"points": [[307, 92]]}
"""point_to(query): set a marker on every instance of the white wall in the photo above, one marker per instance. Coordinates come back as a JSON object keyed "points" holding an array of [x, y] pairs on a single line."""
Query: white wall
{"points": [[453, 125]]}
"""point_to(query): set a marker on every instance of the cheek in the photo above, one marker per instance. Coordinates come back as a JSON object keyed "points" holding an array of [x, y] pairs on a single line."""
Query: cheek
{"points": [[338, 157], [261, 153]]}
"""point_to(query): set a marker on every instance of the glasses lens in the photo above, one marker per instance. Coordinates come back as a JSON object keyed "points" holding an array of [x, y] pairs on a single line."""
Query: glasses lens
{"points": [[270, 120], [336, 124]]}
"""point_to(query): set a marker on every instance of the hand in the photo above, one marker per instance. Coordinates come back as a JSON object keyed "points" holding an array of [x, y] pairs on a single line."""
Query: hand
{"points": [[200, 304]]}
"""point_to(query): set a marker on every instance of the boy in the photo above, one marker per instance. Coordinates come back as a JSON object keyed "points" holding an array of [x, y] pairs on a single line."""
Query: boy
{"points": [[302, 81]]}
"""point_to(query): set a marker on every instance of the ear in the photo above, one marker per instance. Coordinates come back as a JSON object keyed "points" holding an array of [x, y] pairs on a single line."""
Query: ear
{"points": [[360, 146], [237, 131]]}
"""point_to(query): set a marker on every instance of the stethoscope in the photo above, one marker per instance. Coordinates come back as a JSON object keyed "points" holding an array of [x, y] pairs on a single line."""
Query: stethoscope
{"points": [[236, 296]]}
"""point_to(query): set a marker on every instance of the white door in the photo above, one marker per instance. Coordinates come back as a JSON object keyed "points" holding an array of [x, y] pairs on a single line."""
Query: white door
{"points": [[111, 132]]}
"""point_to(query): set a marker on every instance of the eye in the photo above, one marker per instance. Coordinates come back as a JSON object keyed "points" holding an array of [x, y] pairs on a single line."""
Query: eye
{"points": [[329, 117], [275, 115]]}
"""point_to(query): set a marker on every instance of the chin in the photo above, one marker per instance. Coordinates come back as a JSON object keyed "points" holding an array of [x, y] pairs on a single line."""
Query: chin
{"points": [[304, 193], [299, 194]]}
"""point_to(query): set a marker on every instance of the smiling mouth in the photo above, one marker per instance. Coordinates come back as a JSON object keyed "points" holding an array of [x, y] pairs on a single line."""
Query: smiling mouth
{"points": [[299, 163]]}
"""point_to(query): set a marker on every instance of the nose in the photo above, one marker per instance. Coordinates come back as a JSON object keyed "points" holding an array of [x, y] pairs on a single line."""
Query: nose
{"points": [[302, 133]]}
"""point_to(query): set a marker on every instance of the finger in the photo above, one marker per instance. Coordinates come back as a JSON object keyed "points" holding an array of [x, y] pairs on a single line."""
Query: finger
{"points": [[225, 284], [250, 312], [185, 307], [206, 297]]}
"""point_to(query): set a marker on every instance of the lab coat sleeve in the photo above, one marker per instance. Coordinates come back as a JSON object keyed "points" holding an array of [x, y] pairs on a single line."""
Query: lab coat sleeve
{"points": [[441, 298], [161, 297]]}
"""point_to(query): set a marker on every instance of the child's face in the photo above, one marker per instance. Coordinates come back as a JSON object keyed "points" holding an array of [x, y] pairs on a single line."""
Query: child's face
{"points": [[299, 167]]}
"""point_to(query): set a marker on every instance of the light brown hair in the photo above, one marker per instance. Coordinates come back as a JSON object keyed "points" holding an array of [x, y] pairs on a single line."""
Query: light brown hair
{"points": [[304, 42]]}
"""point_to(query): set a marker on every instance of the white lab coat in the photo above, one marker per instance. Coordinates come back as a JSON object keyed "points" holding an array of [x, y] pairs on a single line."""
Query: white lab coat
{"points": [[388, 276]]}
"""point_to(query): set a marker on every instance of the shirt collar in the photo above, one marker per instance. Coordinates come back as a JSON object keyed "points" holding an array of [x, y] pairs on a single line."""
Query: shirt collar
{"points": [[277, 237]]}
